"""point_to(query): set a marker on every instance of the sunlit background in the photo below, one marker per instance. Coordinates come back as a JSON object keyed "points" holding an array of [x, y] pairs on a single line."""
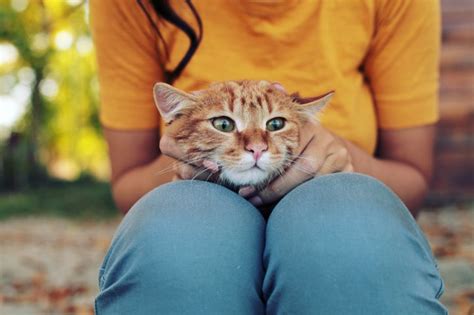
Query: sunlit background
{"points": [[48, 94], [56, 212]]}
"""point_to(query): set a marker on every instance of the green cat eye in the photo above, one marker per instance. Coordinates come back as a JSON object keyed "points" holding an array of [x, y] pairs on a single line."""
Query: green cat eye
{"points": [[224, 124], [275, 124]]}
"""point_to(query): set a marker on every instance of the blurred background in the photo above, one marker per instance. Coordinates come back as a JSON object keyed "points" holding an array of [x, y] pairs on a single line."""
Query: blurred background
{"points": [[56, 213]]}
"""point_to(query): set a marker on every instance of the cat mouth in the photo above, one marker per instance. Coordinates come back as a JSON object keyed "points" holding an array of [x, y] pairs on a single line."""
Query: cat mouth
{"points": [[253, 175], [254, 167]]}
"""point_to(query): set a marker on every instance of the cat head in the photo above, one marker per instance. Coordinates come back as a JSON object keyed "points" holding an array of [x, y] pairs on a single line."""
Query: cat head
{"points": [[251, 129]]}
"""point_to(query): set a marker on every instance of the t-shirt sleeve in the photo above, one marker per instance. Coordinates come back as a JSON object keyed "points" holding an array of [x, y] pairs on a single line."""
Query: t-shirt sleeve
{"points": [[128, 64], [402, 63]]}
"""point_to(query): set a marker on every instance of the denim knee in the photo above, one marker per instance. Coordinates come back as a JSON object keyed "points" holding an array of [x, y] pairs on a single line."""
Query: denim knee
{"points": [[348, 244], [187, 247]]}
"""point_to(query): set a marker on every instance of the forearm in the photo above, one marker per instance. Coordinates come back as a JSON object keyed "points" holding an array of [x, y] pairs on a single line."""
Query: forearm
{"points": [[406, 181], [136, 182]]}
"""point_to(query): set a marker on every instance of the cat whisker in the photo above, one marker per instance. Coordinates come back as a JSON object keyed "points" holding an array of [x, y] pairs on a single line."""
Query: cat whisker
{"points": [[303, 170], [289, 177], [173, 165], [209, 176], [294, 158], [165, 170], [199, 173], [221, 181], [292, 164]]}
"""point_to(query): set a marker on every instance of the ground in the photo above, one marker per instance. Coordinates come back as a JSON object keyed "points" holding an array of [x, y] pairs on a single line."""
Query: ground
{"points": [[49, 265]]}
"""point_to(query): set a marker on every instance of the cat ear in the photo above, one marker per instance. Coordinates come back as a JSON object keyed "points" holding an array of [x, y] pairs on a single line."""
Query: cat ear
{"points": [[316, 104], [170, 101]]}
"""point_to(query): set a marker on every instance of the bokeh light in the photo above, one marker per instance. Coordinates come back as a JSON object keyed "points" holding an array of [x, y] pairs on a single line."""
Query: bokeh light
{"points": [[63, 40], [40, 42], [19, 5], [8, 53], [84, 45], [49, 88]]}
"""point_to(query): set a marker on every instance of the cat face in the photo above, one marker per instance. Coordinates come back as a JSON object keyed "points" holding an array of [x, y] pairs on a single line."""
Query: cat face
{"points": [[251, 129]]}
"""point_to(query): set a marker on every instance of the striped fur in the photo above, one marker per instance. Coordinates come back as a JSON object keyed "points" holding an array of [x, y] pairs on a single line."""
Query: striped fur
{"points": [[250, 104]]}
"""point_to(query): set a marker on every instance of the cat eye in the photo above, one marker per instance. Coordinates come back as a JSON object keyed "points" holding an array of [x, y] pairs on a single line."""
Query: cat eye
{"points": [[224, 124], [275, 124]]}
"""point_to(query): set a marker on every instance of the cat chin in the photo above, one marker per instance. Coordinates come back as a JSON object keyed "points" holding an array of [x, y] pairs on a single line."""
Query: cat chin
{"points": [[251, 177]]}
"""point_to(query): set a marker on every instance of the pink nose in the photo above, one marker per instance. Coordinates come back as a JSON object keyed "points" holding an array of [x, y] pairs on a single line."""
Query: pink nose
{"points": [[257, 149]]}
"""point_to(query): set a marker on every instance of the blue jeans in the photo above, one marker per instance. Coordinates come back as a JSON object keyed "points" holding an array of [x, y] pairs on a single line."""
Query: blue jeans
{"points": [[338, 244]]}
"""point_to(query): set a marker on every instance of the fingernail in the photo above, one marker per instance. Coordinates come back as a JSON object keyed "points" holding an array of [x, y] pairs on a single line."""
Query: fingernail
{"points": [[246, 191], [256, 201]]}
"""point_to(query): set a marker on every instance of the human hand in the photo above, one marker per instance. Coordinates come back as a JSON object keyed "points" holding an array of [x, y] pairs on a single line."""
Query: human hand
{"points": [[187, 169], [320, 152]]}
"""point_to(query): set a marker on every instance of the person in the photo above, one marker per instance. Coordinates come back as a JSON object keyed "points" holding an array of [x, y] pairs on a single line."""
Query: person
{"points": [[343, 243]]}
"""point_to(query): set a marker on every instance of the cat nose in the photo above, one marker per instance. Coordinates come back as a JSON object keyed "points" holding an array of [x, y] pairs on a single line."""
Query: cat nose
{"points": [[257, 149]]}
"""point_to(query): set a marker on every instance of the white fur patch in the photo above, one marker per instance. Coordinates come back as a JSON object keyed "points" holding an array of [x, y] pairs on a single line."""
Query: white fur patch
{"points": [[253, 176], [247, 173]]}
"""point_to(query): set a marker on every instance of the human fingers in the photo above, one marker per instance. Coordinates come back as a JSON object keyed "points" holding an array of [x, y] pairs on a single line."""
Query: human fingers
{"points": [[304, 168], [187, 171], [183, 171], [306, 135], [339, 160], [247, 191], [323, 154], [169, 147]]}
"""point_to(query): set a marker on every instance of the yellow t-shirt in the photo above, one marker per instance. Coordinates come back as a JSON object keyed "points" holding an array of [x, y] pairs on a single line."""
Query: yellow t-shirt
{"points": [[380, 56]]}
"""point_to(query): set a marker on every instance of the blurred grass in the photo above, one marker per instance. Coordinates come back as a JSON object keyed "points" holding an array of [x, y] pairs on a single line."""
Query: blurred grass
{"points": [[81, 200]]}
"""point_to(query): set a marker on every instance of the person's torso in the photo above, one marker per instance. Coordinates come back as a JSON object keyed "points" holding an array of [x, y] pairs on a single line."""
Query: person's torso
{"points": [[309, 46]]}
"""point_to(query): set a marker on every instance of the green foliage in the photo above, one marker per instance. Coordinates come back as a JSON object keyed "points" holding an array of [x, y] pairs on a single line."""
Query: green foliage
{"points": [[60, 130], [84, 199]]}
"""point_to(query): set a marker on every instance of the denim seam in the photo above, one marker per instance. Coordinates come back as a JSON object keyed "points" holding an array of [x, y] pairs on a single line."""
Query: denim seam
{"points": [[440, 290], [103, 268], [96, 309], [101, 278], [427, 247]]}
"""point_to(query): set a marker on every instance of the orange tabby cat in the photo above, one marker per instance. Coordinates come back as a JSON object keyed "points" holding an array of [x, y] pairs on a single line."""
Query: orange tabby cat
{"points": [[250, 129]]}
